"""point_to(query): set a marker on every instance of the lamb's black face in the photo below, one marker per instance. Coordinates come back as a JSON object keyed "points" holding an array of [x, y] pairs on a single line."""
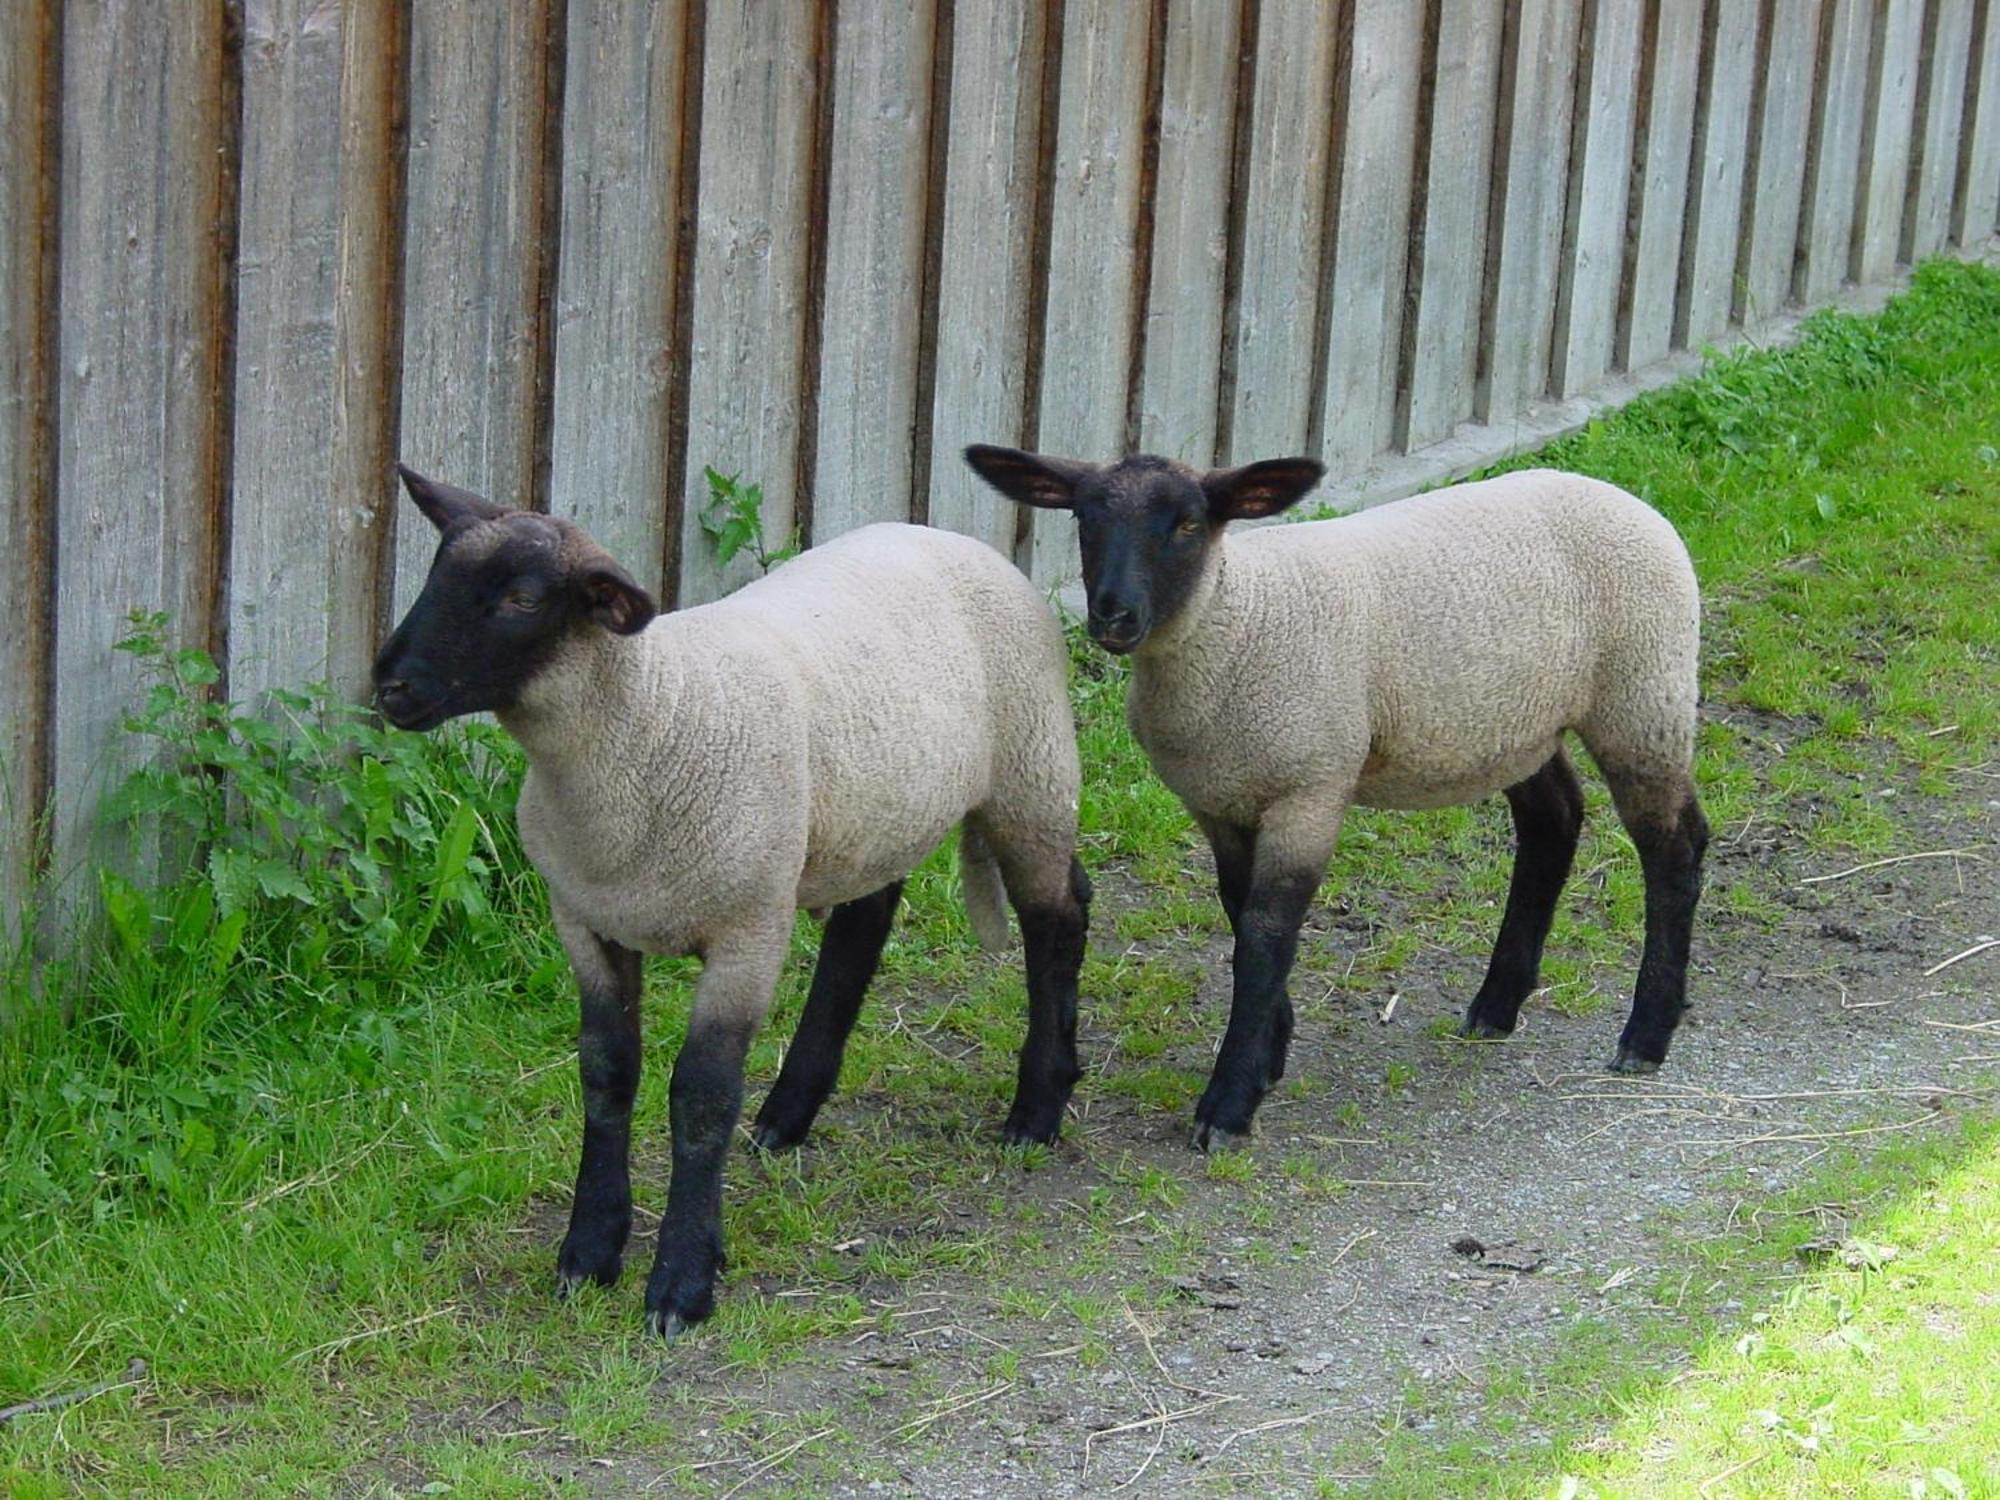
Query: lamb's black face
{"points": [[506, 588], [1145, 525]]}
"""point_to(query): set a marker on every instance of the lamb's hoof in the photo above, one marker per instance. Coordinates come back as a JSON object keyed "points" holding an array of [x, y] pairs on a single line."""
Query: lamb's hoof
{"points": [[1484, 1031], [581, 1262], [1029, 1130], [767, 1139], [1632, 1065], [666, 1325], [1209, 1139]]}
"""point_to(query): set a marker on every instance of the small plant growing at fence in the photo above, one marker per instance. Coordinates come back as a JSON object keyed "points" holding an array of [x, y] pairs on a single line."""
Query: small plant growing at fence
{"points": [[733, 520]]}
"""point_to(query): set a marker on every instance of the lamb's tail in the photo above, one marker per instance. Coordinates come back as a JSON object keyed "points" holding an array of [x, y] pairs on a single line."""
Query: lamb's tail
{"points": [[985, 896]]}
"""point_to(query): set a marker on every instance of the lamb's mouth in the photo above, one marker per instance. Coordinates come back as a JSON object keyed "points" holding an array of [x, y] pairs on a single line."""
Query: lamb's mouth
{"points": [[1119, 642]]}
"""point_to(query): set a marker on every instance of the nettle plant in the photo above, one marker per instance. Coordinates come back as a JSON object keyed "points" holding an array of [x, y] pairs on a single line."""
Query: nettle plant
{"points": [[733, 520]]}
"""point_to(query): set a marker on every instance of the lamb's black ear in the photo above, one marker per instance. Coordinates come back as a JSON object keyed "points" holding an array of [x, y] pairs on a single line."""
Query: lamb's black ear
{"points": [[614, 597], [1029, 478], [1260, 489], [444, 504]]}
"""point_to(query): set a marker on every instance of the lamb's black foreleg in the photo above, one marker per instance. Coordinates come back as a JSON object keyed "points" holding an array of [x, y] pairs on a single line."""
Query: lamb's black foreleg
{"points": [[609, 980], [1548, 821], [849, 952], [1235, 848]]}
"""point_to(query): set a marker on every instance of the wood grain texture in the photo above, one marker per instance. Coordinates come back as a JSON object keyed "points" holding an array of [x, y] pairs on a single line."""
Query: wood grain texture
{"points": [[615, 361], [27, 377], [1093, 271], [474, 272], [289, 211], [1833, 149], [1184, 326], [1887, 123], [874, 264], [367, 341], [1976, 204], [142, 403], [1712, 235], [1447, 261], [748, 358], [1531, 177], [1277, 308], [1775, 180], [985, 287], [1940, 114], [1662, 148], [1600, 161], [1371, 226]]}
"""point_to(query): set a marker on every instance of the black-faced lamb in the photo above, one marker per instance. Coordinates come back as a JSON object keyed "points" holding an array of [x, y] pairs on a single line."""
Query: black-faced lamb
{"points": [[1425, 653], [695, 779]]}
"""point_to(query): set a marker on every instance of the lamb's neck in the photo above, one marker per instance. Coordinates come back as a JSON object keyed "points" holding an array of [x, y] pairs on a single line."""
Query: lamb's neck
{"points": [[601, 690], [1201, 631]]}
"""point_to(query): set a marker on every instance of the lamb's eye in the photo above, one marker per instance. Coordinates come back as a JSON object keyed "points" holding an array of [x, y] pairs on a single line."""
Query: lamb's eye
{"points": [[1189, 527], [522, 603]]}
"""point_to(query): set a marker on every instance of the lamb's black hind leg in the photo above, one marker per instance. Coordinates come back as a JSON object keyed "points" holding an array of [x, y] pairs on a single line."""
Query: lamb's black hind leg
{"points": [[1670, 855], [848, 955], [1548, 820], [1052, 939]]}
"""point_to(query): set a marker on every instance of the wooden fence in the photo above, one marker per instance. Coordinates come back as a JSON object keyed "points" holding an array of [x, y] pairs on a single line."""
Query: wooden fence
{"points": [[569, 252]]}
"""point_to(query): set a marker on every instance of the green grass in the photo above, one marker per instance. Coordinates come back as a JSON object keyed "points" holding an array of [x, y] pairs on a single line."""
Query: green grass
{"points": [[297, 1127]]}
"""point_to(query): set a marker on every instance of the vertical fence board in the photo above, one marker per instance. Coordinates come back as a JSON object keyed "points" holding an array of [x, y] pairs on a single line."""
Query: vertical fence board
{"points": [[141, 342], [473, 272], [25, 384], [1977, 204], [1447, 266], [1525, 245], [1833, 150], [1087, 331], [747, 362], [1370, 225], [1662, 149], [614, 308], [984, 270], [1600, 163], [1940, 106], [1774, 184], [1278, 306], [288, 220], [874, 268], [1190, 232], [1715, 174], [1885, 141]]}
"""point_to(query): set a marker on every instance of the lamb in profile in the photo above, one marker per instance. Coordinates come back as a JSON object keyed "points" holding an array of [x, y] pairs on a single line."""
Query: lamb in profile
{"points": [[695, 779], [1425, 653]]}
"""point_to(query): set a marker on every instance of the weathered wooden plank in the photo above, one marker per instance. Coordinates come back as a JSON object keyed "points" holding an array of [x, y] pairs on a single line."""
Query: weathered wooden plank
{"points": [[1447, 243], [1532, 173], [985, 289], [1662, 148], [1774, 188], [748, 358], [1277, 308], [1833, 149], [27, 375], [1940, 112], [288, 218], [474, 278], [367, 341], [141, 341], [1713, 235], [1600, 173], [873, 299], [1976, 207], [1093, 276], [615, 362], [1887, 122], [1371, 226], [1184, 325]]}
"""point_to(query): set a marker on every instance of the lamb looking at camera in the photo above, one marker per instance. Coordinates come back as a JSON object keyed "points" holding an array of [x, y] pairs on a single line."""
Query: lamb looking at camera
{"points": [[697, 778], [1425, 653]]}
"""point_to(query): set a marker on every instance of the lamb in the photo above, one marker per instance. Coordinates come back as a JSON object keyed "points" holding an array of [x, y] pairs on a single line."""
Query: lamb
{"points": [[696, 778], [1423, 654]]}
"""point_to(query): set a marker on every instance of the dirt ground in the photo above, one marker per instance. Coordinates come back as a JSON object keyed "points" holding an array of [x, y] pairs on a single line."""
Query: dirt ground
{"points": [[1503, 1193]]}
